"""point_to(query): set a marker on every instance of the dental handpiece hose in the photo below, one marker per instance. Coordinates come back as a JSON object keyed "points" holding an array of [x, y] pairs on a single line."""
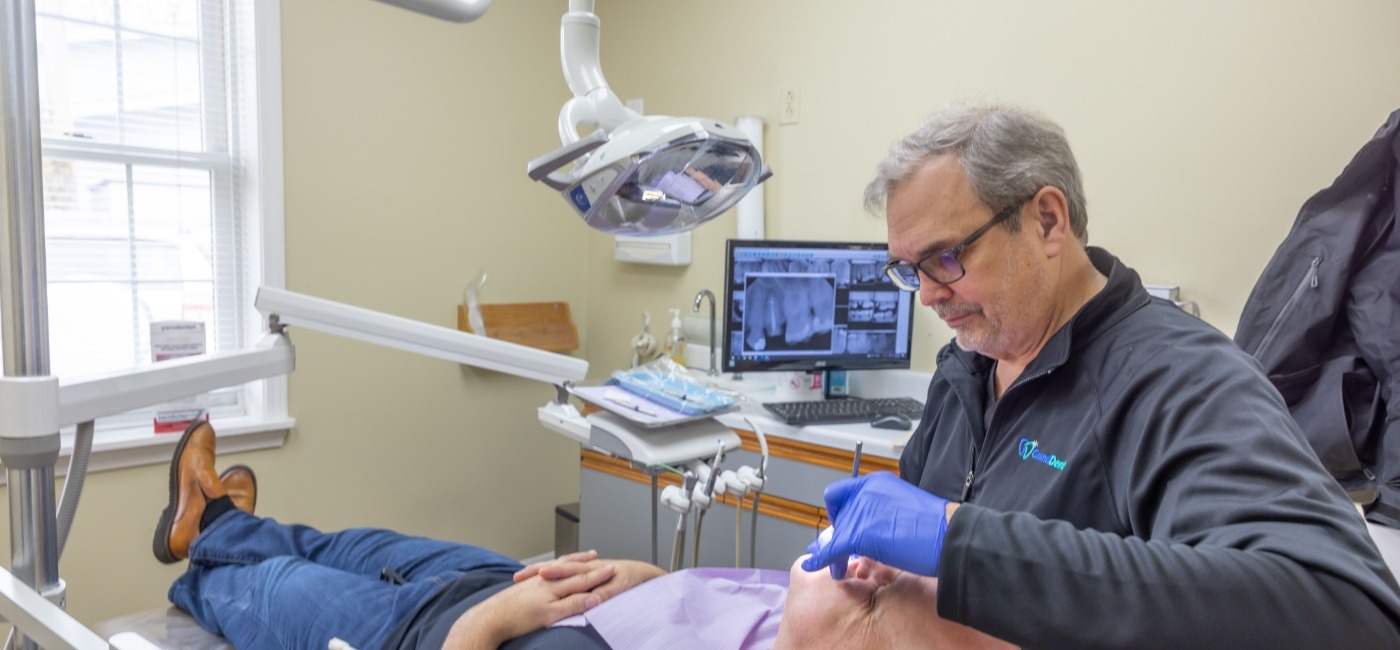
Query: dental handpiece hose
{"points": [[753, 532], [738, 531], [762, 478], [709, 494], [678, 547]]}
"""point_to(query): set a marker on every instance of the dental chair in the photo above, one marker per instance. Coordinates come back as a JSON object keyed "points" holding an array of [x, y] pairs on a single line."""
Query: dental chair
{"points": [[167, 629], [172, 629], [1388, 541]]}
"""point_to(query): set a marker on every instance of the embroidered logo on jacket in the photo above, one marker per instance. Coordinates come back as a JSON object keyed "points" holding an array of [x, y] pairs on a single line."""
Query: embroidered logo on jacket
{"points": [[1030, 450]]}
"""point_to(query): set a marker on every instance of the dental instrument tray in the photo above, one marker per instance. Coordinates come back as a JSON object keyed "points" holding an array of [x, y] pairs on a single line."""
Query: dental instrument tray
{"points": [[686, 401], [674, 391], [635, 408]]}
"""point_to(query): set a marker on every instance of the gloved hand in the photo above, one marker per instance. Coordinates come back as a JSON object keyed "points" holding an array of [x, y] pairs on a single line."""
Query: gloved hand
{"points": [[838, 564], [884, 518]]}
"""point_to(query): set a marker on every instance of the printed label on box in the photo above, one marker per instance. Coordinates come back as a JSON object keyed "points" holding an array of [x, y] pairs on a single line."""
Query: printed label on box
{"points": [[173, 340]]}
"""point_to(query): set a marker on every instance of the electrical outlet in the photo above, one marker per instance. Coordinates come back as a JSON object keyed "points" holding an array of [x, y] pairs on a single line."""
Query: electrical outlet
{"points": [[635, 104], [789, 104], [1168, 291]]}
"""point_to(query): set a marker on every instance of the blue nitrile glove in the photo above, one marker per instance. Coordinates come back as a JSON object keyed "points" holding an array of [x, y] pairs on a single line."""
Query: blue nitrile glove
{"points": [[886, 519], [838, 564]]}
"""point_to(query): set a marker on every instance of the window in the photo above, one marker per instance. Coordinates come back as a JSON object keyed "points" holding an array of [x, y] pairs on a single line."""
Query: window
{"points": [[161, 170]]}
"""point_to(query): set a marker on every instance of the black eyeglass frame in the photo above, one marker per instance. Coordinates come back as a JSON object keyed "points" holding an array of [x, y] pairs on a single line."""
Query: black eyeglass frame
{"points": [[948, 258]]}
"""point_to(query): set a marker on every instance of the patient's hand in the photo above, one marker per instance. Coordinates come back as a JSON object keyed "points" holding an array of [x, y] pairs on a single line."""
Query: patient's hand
{"points": [[559, 567], [529, 605], [876, 606], [629, 573]]}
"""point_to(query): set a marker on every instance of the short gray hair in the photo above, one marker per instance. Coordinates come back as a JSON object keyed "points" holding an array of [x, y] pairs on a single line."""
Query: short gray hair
{"points": [[1007, 153]]}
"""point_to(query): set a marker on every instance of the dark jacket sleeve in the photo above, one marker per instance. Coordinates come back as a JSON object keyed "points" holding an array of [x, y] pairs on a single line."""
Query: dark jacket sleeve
{"points": [[1238, 538]]}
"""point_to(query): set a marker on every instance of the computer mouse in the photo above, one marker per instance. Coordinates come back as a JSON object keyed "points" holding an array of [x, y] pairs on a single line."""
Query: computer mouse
{"points": [[892, 421]]}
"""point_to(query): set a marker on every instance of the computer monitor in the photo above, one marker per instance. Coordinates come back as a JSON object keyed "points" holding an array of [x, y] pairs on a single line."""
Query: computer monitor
{"points": [[809, 306]]}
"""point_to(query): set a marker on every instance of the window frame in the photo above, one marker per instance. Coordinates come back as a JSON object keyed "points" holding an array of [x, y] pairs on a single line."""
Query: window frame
{"points": [[265, 421]]}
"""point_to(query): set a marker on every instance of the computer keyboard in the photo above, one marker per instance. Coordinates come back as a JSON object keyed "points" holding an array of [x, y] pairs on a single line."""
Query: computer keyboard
{"points": [[845, 409]]}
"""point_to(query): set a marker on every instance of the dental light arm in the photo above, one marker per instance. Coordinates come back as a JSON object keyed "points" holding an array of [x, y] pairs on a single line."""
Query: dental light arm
{"points": [[89, 398], [436, 341], [559, 416], [594, 103], [457, 11]]}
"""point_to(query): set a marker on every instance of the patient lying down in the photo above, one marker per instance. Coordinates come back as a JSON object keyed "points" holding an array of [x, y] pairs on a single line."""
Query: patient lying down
{"points": [[875, 606], [264, 584]]}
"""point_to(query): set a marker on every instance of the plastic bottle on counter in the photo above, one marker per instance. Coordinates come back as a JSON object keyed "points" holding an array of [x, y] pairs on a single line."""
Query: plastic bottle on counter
{"points": [[675, 341]]}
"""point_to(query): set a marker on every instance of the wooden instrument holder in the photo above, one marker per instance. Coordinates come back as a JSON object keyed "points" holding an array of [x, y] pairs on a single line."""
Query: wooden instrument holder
{"points": [[543, 325]]}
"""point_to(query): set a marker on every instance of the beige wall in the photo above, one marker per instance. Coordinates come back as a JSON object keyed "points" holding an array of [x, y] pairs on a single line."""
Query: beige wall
{"points": [[1201, 127]]}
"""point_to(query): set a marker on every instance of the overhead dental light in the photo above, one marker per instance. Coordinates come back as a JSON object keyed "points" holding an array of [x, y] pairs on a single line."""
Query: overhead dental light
{"points": [[635, 174]]}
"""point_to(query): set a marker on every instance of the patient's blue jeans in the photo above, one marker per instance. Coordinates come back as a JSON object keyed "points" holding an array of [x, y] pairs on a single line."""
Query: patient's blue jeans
{"points": [[262, 584]]}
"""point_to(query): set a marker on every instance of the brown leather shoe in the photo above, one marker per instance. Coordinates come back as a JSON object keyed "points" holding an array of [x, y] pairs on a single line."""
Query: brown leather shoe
{"points": [[242, 487], [192, 484]]}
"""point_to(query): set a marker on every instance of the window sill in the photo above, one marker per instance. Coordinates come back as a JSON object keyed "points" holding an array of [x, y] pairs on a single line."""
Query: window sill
{"points": [[136, 447]]}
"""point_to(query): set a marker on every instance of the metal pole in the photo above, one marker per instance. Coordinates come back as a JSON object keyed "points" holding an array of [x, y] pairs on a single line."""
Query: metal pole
{"points": [[655, 497], [24, 289], [24, 305]]}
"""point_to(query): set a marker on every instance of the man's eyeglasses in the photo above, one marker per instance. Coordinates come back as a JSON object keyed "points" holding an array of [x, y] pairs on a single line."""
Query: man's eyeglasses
{"points": [[943, 267]]}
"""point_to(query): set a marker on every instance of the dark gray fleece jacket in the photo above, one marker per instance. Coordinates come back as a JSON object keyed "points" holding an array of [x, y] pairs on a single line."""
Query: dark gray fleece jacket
{"points": [[1142, 485]]}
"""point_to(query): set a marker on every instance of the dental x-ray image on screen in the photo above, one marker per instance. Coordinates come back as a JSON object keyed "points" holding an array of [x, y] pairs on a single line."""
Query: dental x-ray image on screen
{"points": [[788, 311], [813, 306]]}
